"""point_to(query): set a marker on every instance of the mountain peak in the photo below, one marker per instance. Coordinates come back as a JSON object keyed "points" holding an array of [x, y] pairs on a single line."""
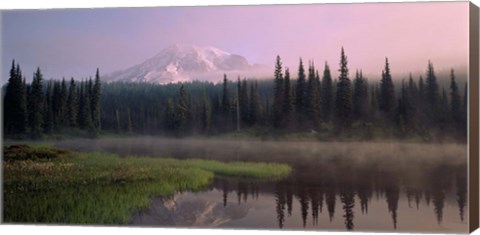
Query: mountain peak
{"points": [[183, 62]]}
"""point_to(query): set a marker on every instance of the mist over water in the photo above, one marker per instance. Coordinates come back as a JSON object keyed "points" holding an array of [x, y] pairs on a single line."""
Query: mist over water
{"points": [[361, 186]]}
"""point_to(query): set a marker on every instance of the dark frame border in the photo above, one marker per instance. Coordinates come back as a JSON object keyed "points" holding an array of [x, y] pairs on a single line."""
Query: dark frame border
{"points": [[473, 118]]}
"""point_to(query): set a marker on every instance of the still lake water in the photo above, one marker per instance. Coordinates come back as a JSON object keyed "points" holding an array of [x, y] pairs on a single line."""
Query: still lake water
{"points": [[403, 187]]}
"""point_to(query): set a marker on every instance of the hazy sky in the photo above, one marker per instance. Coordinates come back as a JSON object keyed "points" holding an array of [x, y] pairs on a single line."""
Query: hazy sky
{"points": [[75, 42]]}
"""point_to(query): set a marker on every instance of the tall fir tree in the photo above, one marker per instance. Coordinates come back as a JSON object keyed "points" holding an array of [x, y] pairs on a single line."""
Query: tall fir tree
{"points": [[95, 99], [465, 98], [313, 98], [55, 104], [170, 119], [225, 96], [226, 106], [387, 90], [443, 112], [465, 108], [37, 105], [327, 95], [129, 126], [455, 100], [255, 106], [72, 104], [401, 114], [63, 103], [278, 94], [243, 99], [413, 103], [206, 114], [288, 100], [421, 87], [49, 106], [431, 90], [182, 111], [118, 126], [373, 107], [343, 101], [412, 88], [360, 97], [300, 95], [85, 107], [15, 103]]}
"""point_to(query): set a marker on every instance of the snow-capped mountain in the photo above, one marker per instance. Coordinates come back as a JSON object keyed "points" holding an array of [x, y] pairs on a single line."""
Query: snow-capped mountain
{"points": [[183, 63]]}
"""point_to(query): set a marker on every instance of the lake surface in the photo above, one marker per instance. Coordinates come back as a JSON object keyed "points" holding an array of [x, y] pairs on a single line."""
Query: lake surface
{"points": [[404, 187]]}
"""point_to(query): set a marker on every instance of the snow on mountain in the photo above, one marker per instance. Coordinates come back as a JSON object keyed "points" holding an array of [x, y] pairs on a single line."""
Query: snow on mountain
{"points": [[183, 63]]}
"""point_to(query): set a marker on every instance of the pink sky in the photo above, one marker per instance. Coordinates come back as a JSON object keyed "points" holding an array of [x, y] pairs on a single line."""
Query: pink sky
{"points": [[75, 42]]}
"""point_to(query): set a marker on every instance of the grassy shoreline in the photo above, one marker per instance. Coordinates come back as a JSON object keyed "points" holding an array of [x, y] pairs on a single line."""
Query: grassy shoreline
{"points": [[47, 185]]}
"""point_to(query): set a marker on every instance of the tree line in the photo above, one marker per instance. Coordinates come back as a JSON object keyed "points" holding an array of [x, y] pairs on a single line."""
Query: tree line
{"points": [[47, 107], [311, 102], [308, 101]]}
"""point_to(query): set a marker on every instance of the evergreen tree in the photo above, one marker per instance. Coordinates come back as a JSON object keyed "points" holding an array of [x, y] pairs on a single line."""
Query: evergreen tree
{"points": [[206, 114], [225, 96], [15, 103], [360, 97], [255, 107], [465, 105], [182, 111], [401, 113], [129, 126], [170, 119], [95, 99], [431, 90], [243, 99], [63, 103], [216, 108], [300, 95], [226, 105], [85, 105], [118, 126], [288, 100], [465, 110], [387, 90], [278, 94], [72, 104], [49, 123], [55, 103], [343, 101], [421, 87], [456, 109], [443, 112], [327, 95], [413, 103], [373, 108], [37, 108], [313, 98]]}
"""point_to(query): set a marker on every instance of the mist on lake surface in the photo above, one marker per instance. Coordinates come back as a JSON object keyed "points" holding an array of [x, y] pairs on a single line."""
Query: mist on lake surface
{"points": [[366, 186]]}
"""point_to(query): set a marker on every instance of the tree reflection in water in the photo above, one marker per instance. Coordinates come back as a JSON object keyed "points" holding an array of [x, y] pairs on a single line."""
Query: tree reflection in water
{"points": [[358, 186]]}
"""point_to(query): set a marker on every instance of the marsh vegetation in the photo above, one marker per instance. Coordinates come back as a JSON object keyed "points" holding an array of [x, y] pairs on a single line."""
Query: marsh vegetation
{"points": [[50, 185]]}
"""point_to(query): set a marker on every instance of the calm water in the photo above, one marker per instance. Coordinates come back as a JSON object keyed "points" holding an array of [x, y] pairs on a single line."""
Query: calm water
{"points": [[333, 186]]}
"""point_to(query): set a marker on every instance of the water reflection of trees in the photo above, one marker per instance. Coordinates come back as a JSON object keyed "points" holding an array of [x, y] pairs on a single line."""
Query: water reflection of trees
{"points": [[348, 201], [392, 195], [310, 189], [281, 201], [461, 183]]}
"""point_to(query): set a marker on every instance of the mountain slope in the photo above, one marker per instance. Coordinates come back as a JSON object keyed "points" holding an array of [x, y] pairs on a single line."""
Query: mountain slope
{"points": [[182, 63]]}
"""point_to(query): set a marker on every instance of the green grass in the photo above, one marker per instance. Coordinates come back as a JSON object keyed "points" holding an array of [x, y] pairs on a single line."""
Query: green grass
{"points": [[99, 188]]}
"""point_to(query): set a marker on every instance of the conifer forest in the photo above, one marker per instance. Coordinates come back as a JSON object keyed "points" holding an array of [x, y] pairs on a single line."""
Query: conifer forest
{"points": [[306, 99]]}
